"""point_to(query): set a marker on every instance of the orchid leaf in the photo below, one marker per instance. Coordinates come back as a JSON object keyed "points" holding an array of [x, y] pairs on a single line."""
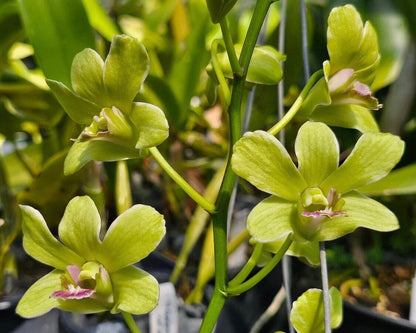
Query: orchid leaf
{"points": [[151, 123], [78, 109], [87, 76], [146, 228], [80, 227], [262, 160], [367, 162], [125, 69], [136, 291], [399, 182], [37, 301], [40, 243], [307, 315], [270, 220], [317, 151]]}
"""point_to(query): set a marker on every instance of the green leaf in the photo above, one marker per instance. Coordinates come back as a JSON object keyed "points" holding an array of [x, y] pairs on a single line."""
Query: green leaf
{"points": [[83, 152], [79, 109], [135, 291], [271, 219], [37, 301], [100, 20], [262, 160], [39, 243], [58, 30], [125, 69], [307, 315], [398, 182], [131, 237], [219, 8], [317, 151], [372, 158], [348, 116], [350, 44], [87, 77], [361, 212], [80, 227], [151, 123]]}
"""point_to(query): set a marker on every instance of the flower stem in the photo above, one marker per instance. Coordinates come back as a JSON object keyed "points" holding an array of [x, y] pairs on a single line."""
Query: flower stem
{"points": [[229, 45], [131, 324], [248, 267], [325, 287], [199, 199], [218, 71], [250, 283], [296, 105]]}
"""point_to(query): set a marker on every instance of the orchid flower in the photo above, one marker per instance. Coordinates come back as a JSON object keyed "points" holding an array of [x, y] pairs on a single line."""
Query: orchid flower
{"points": [[103, 100], [343, 96], [91, 275], [318, 200]]}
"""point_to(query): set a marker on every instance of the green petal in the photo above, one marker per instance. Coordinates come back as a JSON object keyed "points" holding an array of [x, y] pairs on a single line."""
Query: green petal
{"points": [[350, 45], [83, 152], [39, 243], [85, 305], [80, 227], [317, 150], [348, 116], [87, 76], [135, 291], [125, 69], [372, 158], [361, 212], [304, 250], [79, 109], [270, 219], [262, 160], [131, 237], [151, 124], [37, 301], [318, 95]]}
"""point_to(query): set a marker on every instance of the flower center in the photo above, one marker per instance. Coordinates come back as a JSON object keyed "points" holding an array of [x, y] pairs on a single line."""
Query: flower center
{"points": [[91, 280]]}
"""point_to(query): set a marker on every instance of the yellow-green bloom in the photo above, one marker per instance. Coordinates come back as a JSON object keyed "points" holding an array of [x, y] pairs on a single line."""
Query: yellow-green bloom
{"points": [[317, 200], [103, 100], [92, 275]]}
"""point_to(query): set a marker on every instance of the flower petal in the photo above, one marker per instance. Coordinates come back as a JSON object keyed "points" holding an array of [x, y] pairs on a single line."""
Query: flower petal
{"points": [[80, 227], [307, 250], [135, 291], [262, 160], [372, 158], [39, 243], [87, 76], [83, 152], [131, 237], [361, 212], [125, 69], [85, 305], [317, 150], [348, 116], [271, 219], [78, 109], [151, 123], [36, 301]]}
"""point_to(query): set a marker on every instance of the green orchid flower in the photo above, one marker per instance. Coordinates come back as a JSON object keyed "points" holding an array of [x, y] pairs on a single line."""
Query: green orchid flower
{"points": [[343, 96], [91, 275], [316, 201], [103, 100]]}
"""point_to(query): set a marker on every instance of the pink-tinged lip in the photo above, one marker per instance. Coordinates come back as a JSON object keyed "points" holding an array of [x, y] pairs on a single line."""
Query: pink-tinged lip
{"points": [[73, 293], [324, 212]]}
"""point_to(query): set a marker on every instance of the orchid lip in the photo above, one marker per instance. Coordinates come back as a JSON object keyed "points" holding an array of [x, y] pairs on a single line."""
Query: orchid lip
{"points": [[73, 293]]}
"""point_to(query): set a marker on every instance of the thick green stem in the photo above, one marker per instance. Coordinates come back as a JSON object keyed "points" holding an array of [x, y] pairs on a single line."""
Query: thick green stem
{"points": [[297, 104], [131, 324], [214, 309], [260, 275], [199, 199]]}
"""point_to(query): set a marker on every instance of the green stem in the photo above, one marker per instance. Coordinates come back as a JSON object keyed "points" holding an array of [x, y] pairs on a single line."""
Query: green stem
{"points": [[199, 199], [131, 324], [229, 45], [297, 104], [248, 267], [260, 275], [218, 72], [214, 309]]}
